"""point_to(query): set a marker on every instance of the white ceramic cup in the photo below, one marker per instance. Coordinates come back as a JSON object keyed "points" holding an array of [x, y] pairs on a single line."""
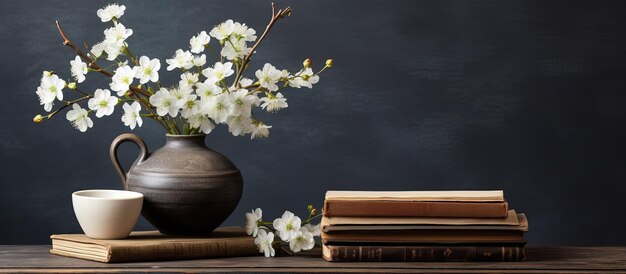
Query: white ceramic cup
{"points": [[107, 214]]}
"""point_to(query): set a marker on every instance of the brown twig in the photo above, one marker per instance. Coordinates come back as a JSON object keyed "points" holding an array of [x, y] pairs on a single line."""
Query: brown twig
{"points": [[69, 103], [87, 59], [275, 17]]}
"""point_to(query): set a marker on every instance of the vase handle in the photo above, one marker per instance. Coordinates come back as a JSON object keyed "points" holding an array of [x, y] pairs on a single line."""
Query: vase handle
{"points": [[126, 137]]}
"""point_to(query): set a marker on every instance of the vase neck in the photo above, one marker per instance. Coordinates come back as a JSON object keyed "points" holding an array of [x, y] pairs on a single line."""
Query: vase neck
{"points": [[185, 140]]}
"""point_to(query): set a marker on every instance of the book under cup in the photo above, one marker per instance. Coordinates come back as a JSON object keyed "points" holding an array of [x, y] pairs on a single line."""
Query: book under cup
{"points": [[152, 246]]}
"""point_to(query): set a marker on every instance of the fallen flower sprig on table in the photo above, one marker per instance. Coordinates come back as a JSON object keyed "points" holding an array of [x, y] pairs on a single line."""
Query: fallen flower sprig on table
{"points": [[289, 228]]}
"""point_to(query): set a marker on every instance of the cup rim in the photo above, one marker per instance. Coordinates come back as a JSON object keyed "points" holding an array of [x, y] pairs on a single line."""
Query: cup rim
{"points": [[126, 194]]}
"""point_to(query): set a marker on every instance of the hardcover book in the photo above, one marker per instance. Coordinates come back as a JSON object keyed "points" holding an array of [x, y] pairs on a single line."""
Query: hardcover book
{"points": [[385, 208], [423, 253], [329, 224], [152, 245], [435, 234], [478, 204], [432, 196], [426, 236]]}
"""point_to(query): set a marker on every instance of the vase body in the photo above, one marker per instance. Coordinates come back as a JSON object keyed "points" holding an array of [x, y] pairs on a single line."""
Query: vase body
{"points": [[188, 188]]}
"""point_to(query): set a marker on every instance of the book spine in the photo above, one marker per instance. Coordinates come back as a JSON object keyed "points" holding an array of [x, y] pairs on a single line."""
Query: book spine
{"points": [[173, 251], [424, 253], [355, 208]]}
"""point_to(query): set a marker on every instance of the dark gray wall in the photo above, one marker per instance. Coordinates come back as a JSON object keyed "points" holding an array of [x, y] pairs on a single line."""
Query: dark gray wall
{"points": [[525, 96]]}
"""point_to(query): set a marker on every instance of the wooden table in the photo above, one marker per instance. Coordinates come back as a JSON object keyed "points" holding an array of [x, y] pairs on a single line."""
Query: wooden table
{"points": [[540, 259]]}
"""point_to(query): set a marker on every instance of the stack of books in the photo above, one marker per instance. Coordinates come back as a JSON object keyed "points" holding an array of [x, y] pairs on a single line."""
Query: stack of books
{"points": [[421, 226]]}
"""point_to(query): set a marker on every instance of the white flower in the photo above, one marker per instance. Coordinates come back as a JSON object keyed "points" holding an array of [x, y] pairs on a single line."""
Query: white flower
{"points": [[218, 72], [131, 115], [287, 226], [190, 106], [111, 11], [199, 61], [269, 76], [230, 29], [252, 220], [303, 240], [122, 79], [242, 102], [241, 31], [188, 79], [206, 90], [180, 93], [117, 33], [79, 118], [239, 125], [199, 41], [97, 49], [244, 82], [235, 49], [260, 130], [223, 30], [165, 103], [305, 79], [50, 88], [264, 241], [275, 103], [113, 50], [217, 107], [148, 70], [114, 38], [182, 60], [314, 229], [102, 102], [78, 69], [202, 122]]}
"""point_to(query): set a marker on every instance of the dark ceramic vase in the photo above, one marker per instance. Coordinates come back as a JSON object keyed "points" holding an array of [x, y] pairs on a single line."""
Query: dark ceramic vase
{"points": [[188, 188]]}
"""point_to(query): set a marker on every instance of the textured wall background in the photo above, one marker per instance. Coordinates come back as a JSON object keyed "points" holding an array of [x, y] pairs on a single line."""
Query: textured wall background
{"points": [[525, 96]]}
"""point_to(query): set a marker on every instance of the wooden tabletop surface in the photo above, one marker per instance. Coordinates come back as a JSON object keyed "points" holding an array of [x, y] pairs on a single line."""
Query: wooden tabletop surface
{"points": [[540, 259]]}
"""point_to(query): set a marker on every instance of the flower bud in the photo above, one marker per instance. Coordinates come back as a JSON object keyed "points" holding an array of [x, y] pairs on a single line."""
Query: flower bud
{"points": [[304, 77], [329, 63], [307, 63], [38, 118], [313, 211], [309, 208], [47, 73], [71, 85]]}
